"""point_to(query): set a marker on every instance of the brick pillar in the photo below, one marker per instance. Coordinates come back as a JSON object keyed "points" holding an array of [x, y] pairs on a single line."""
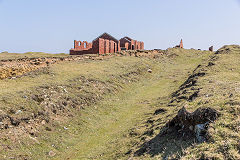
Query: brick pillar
{"points": [[132, 45], [127, 46], [181, 44], [74, 44], [106, 46], [119, 48], [111, 46], [101, 46], [114, 47]]}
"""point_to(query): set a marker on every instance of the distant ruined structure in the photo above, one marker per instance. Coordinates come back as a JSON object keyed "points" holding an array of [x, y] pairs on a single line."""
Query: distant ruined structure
{"points": [[211, 48], [127, 43], [105, 43], [180, 45]]}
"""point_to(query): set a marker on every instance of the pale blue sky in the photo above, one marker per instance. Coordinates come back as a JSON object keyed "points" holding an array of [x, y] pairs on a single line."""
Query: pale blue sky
{"points": [[52, 25]]}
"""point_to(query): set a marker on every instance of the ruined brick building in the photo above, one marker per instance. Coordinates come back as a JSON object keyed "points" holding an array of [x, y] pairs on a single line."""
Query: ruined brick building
{"points": [[105, 43], [127, 43]]}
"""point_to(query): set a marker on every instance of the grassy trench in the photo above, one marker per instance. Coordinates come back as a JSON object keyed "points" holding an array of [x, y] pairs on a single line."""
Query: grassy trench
{"points": [[107, 125], [99, 130]]}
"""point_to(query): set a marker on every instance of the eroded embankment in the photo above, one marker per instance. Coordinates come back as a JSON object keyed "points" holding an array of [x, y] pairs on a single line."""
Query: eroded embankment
{"points": [[211, 93], [15, 68], [171, 126]]}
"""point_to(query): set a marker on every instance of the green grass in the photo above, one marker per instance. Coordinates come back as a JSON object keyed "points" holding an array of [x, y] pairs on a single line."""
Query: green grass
{"points": [[64, 74], [114, 100], [221, 82]]}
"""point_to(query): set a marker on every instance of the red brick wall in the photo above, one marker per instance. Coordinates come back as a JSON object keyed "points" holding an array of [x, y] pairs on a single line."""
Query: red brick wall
{"points": [[115, 47], [106, 46], [111, 46], [77, 52], [133, 45], [123, 41], [81, 48], [101, 46], [127, 45], [79, 45], [118, 48], [95, 47], [141, 45]]}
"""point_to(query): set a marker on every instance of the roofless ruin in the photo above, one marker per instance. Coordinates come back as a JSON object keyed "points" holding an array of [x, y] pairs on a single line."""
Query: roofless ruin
{"points": [[105, 43]]}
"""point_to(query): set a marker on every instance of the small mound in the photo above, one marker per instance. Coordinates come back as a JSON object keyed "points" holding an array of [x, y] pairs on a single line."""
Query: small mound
{"points": [[227, 49], [197, 121]]}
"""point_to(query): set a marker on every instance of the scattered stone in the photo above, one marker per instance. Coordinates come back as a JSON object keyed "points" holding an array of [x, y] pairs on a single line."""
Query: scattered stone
{"points": [[48, 129], [65, 90], [43, 122], [18, 112], [149, 71], [51, 154], [14, 121], [200, 132], [210, 64], [37, 98], [191, 128]]}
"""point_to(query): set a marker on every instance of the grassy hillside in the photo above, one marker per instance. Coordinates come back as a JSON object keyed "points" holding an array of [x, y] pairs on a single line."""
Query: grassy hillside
{"points": [[118, 108], [216, 87]]}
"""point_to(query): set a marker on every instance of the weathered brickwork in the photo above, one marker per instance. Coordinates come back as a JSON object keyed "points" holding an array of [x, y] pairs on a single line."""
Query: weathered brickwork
{"points": [[127, 43], [180, 45], [111, 45], [105, 43], [106, 46]]}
